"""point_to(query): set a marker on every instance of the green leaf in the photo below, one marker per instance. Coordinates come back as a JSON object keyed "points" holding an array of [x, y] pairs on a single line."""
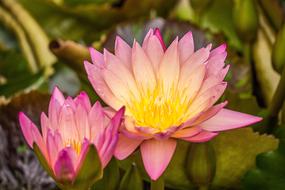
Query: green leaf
{"points": [[132, 179], [235, 154], [111, 177], [269, 173], [90, 171]]}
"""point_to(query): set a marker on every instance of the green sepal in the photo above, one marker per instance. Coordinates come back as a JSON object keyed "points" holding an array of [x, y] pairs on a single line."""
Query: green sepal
{"points": [[132, 179], [90, 171], [111, 178], [43, 160]]}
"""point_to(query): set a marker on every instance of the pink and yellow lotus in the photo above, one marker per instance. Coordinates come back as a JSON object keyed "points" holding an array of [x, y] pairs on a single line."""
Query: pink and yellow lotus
{"points": [[169, 93]]}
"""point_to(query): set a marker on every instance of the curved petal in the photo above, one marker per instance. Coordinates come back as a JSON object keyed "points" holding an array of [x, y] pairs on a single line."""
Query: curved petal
{"points": [[95, 76], [83, 99], [96, 57], [187, 132], [143, 70], [204, 136], [123, 51], [157, 33], [63, 168], [30, 131], [186, 47], [169, 68], [126, 146], [228, 119], [119, 79], [154, 51], [156, 155]]}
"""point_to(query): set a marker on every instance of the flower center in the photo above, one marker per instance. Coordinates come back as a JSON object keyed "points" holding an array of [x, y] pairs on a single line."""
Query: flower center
{"points": [[159, 109], [76, 145]]}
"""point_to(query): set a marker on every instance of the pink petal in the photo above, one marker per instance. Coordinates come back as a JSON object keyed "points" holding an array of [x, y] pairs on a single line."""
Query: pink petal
{"points": [[82, 123], [222, 48], [191, 79], [146, 39], [83, 99], [96, 121], [45, 125], [169, 68], [156, 155], [199, 57], [119, 79], [63, 168], [143, 70], [187, 132], [57, 94], [209, 113], [100, 86], [30, 131], [157, 33], [154, 51], [56, 101], [126, 146], [52, 148], [123, 51], [82, 155], [204, 136], [228, 119], [96, 57], [67, 123], [186, 47]]}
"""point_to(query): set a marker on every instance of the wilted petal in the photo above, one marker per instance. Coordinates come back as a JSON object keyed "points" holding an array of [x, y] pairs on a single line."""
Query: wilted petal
{"points": [[156, 155], [228, 119]]}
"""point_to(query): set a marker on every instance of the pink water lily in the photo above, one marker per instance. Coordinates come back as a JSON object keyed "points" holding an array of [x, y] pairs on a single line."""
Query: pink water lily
{"points": [[169, 93], [67, 133]]}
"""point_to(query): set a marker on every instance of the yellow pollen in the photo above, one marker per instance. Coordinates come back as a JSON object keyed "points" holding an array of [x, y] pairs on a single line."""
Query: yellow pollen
{"points": [[76, 145], [160, 109]]}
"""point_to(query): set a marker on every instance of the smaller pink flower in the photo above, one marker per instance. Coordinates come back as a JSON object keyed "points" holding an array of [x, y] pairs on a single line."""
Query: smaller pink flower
{"points": [[71, 128]]}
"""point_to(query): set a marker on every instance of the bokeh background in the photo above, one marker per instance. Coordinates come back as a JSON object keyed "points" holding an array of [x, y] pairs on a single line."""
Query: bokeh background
{"points": [[43, 43]]}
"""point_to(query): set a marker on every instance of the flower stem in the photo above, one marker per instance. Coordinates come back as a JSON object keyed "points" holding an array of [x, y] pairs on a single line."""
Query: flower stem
{"points": [[158, 184], [278, 99]]}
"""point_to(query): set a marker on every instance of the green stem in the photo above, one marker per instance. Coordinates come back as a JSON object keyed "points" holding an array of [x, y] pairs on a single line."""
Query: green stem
{"points": [[277, 100], [158, 184]]}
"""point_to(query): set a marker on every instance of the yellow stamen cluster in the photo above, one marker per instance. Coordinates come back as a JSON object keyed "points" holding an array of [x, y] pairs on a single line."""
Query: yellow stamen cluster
{"points": [[75, 144], [160, 109]]}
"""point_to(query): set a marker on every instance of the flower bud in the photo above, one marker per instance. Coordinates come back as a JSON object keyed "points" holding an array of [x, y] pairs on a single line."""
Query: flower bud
{"points": [[201, 164], [245, 19], [278, 55]]}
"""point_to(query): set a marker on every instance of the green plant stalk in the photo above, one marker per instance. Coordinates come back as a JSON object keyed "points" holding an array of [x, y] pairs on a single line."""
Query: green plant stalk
{"points": [[278, 98], [70, 52], [35, 34], [9, 22], [158, 184], [273, 12]]}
